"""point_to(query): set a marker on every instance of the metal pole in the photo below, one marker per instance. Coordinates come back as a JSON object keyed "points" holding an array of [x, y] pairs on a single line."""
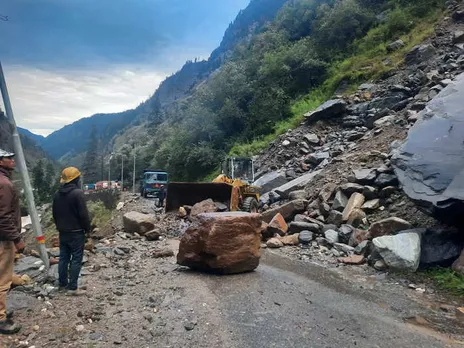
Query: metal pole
{"points": [[122, 172], [18, 149], [133, 175]]}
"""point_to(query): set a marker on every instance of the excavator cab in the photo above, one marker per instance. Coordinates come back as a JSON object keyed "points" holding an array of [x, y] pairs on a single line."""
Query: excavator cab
{"points": [[232, 187]]}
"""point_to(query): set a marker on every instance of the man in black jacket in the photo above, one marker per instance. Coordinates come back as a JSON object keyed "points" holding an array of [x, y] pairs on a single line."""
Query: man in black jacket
{"points": [[73, 223]]}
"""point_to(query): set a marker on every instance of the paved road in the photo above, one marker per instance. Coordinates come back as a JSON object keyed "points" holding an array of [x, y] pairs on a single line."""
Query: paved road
{"points": [[310, 307]]}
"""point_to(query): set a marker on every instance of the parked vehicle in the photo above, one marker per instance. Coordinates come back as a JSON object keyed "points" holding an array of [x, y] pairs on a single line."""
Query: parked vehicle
{"points": [[152, 181]]}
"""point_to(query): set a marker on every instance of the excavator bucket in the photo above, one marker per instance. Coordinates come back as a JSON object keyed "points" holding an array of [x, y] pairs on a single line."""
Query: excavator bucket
{"points": [[187, 193]]}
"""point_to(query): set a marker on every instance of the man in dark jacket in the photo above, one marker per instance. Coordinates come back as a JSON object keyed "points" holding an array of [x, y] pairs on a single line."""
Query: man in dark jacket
{"points": [[10, 238], [72, 221]]}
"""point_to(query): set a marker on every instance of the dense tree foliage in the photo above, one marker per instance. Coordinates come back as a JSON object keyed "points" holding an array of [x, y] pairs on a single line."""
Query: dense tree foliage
{"points": [[262, 75]]}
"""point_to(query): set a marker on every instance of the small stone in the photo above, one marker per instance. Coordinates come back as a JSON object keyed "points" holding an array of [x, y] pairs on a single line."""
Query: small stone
{"points": [[365, 176], [344, 248], [80, 328], [36, 328], [335, 217], [362, 247], [353, 260], [380, 265], [388, 226], [370, 192], [340, 201], [292, 239], [356, 201], [286, 142], [331, 236], [190, 325], [305, 237], [371, 205], [277, 225], [274, 243], [350, 188], [312, 139]]}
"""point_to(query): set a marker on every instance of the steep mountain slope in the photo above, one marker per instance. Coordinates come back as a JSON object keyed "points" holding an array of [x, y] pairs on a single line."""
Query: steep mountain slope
{"points": [[32, 149], [38, 138], [72, 140]]}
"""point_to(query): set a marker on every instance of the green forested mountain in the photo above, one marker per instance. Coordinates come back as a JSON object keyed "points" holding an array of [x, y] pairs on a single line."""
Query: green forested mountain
{"points": [[277, 60]]}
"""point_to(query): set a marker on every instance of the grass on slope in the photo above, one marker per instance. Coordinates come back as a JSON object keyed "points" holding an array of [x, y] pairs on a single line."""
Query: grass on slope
{"points": [[368, 63], [446, 279]]}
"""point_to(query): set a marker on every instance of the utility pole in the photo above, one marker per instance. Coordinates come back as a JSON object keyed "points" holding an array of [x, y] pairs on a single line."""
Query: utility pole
{"points": [[122, 172], [133, 173], [18, 149]]}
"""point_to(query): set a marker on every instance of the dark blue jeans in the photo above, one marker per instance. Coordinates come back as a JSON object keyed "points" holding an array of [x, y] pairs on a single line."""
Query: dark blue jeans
{"points": [[71, 254]]}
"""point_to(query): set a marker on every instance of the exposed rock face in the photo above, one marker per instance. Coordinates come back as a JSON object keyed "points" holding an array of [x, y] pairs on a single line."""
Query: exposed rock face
{"points": [[400, 252], [135, 222], [430, 165], [225, 243]]}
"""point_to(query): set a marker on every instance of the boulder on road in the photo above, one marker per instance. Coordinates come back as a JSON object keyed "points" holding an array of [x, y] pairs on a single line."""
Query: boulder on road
{"points": [[135, 222], [391, 225], [224, 243], [270, 181], [287, 210], [206, 206], [430, 164], [401, 252], [329, 109]]}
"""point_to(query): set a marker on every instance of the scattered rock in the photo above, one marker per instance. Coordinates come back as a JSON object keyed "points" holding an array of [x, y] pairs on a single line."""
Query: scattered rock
{"points": [[222, 242], [162, 253], [388, 226], [356, 218], [287, 210], [153, 235], [344, 233], [120, 206], [420, 54], [206, 206], [300, 194], [365, 176], [439, 247], [274, 243], [270, 181], [305, 237], [292, 239], [353, 260], [371, 205], [362, 247], [384, 180], [312, 139], [358, 236], [350, 188], [331, 236], [458, 265], [356, 201], [340, 201], [335, 217], [296, 184], [396, 45], [329, 109], [277, 225], [380, 265], [344, 248], [327, 192], [400, 252], [135, 222], [297, 227]]}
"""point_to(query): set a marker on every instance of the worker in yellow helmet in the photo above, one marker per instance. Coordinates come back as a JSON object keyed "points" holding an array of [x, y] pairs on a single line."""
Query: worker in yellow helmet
{"points": [[72, 220]]}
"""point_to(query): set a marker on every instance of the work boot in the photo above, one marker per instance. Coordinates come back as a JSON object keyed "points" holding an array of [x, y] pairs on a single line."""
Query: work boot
{"points": [[77, 292], [7, 327]]}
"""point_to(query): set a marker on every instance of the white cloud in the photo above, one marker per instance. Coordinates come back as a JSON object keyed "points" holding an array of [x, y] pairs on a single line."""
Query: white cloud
{"points": [[46, 100]]}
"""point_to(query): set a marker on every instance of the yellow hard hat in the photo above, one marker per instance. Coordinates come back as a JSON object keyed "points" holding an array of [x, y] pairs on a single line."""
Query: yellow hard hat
{"points": [[69, 174]]}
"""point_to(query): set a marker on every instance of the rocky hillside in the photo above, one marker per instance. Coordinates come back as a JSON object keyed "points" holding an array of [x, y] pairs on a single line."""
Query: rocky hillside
{"points": [[377, 175]]}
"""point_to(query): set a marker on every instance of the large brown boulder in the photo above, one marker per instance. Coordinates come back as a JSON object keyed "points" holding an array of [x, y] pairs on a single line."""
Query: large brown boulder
{"points": [[135, 222], [206, 206], [223, 243]]}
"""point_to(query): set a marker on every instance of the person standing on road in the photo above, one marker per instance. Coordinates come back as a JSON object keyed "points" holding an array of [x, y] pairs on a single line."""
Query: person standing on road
{"points": [[10, 237], [72, 220]]}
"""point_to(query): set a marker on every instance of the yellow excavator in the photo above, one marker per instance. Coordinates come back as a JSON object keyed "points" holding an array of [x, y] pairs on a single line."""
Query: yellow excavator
{"points": [[232, 187]]}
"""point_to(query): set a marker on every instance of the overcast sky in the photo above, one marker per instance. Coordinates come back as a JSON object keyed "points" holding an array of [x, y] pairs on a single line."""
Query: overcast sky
{"points": [[68, 59]]}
